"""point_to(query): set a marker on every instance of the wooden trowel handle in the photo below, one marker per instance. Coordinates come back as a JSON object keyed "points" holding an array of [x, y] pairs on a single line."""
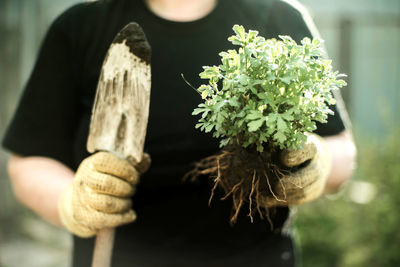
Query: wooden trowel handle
{"points": [[103, 248]]}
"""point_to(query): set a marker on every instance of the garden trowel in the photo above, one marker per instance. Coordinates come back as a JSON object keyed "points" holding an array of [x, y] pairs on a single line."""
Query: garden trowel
{"points": [[120, 111]]}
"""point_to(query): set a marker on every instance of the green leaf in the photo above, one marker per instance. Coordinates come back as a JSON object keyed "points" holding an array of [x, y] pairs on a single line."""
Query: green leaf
{"points": [[271, 118], [251, 35], [220, 105], [239, 30], [235, 40], [281, 124], [205, 113], [255, 125], [280, 137], [197, 111], [286, 38], [254, 114], [243, 79], [288, 78], [287, 116], [224, 142], [316, 41], [234, 102], [240, 123], [209, 128]]}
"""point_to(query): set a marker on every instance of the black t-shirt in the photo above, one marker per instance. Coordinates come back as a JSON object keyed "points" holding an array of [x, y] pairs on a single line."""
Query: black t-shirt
{"points": [[175, 226]]}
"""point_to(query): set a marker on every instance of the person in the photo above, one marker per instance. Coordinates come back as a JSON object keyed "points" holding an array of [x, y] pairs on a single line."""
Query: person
{"points": [[174, 225]]}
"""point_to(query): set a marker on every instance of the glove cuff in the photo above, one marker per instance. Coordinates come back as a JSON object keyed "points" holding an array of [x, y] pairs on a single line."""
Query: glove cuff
{"points": [[325, 156]]}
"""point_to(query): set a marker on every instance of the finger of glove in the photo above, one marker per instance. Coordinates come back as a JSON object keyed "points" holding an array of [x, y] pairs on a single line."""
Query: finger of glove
{"points": [[107, 184], [301, 186], [301, 178], [66, 211], [81, 230], [99, 220], [291, 158], [109, 163], [274, 202], [144, 164], [292, 200], [106, 203], [301, 195]]}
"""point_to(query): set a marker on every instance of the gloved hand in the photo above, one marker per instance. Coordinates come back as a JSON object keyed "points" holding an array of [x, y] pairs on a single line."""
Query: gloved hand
{"points": [[99, 196], [305, 183]]}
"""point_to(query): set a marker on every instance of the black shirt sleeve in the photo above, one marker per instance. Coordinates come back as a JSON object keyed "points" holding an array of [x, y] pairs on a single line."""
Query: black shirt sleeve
{"points": [[45, 117], [290, 18]]}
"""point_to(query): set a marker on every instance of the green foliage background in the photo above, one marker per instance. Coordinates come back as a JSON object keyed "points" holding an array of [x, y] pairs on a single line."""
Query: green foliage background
{"points": [[343, 233]]}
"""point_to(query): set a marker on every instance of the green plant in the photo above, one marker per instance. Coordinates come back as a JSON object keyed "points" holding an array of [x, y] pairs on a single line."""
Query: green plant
{"points": [[344, 233], [261, 99], [267, 92]]}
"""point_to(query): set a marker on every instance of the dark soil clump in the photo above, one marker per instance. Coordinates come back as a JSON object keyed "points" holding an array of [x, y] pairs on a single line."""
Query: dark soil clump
{"points": [[245, 174]]}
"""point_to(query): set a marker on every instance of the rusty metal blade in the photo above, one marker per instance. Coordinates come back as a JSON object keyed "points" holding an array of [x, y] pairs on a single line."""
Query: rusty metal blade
{"points": [[121, 107]]}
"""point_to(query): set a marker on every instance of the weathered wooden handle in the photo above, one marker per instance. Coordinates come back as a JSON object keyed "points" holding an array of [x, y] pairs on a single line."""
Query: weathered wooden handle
{"points": [[103, 248]]}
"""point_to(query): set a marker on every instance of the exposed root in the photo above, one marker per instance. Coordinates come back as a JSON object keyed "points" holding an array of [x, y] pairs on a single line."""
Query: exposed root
{"points": [[270, 189], [207, 166], [271, 224], [216, 182], [246, 176], [283, 188], [233, 190], [238, 203], [251, 196], [258, 200]]}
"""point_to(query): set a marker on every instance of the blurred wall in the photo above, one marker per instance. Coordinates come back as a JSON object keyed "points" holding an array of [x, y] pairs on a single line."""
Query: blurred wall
{"points": [[23, 24], [363, 38]]}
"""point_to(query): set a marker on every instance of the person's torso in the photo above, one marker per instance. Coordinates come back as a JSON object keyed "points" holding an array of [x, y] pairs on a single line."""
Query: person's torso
{"points": [[174, 219]]}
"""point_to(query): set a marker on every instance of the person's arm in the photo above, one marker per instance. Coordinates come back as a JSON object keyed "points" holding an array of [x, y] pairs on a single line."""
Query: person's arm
{"points": [[38, 183], [343, 152], [97, 196]]}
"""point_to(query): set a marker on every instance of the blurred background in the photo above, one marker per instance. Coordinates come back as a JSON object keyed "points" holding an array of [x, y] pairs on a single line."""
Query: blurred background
{"points": [[357, 227]]}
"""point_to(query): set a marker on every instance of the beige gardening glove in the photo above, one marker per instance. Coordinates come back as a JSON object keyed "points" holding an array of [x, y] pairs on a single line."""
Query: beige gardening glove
{"points": [[303, 183], [99, 196]]}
